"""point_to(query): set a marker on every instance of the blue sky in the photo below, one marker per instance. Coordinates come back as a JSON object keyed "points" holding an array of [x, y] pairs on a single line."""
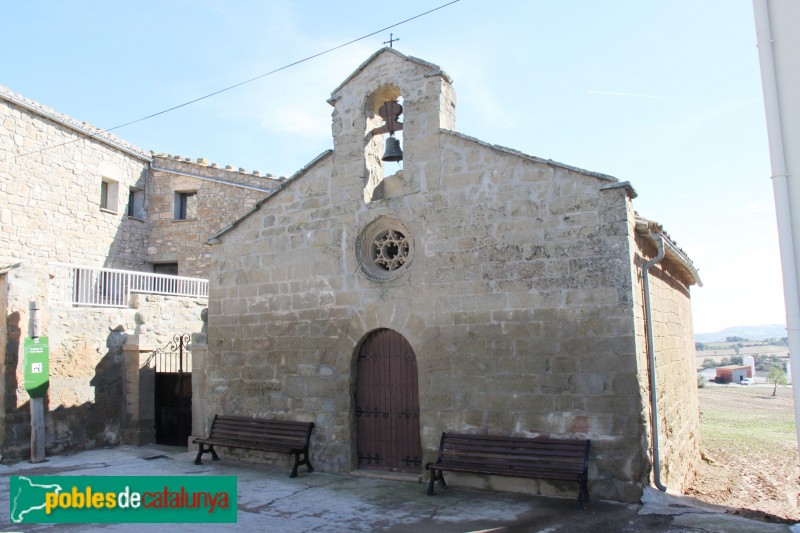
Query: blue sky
{"points": [[665, 94]]}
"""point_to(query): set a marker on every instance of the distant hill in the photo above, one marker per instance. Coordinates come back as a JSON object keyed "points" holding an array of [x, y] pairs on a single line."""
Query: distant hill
{"points": [[753, 333]]}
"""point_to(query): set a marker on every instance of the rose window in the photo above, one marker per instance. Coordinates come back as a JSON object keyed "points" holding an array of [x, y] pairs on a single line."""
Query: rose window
{"points": [[384, 249], [390, 250]]}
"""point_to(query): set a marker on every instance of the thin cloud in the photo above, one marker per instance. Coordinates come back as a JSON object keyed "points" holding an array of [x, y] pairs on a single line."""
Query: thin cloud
{"points": [[637, 95]]}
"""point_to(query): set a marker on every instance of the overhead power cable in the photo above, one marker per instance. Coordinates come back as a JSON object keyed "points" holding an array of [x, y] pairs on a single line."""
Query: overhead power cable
{"points": [[100, 132]]}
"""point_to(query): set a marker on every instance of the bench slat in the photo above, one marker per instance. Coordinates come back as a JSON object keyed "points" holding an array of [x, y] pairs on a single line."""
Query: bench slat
{"points": [[511, 472], [260, 427], [499, 463], [251, 420], [232, 443], [511, 463], [274, 427], [514, 456], [555, 446], [255, 435], [510, 441], [519, 454]]}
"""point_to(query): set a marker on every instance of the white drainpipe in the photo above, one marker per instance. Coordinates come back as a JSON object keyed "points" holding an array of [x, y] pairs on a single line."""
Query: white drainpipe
{"points": [[787, 220], [651, 359]]}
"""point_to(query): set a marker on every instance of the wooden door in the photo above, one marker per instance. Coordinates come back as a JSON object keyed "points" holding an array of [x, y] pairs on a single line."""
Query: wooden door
{"points": [[387, 404]]}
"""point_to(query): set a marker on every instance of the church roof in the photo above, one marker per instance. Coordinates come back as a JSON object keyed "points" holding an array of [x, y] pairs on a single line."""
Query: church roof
{"points": [[598, 175], [435, 70], [647, 228], [214, 239], [87, 130]]}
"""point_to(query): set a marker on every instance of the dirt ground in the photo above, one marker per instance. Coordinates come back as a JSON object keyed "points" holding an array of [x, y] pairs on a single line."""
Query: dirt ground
{"points": [[750, 455]]}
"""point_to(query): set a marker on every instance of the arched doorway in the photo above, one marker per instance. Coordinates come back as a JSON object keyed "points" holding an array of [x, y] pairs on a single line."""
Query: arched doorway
{"points": [[387, 404]]}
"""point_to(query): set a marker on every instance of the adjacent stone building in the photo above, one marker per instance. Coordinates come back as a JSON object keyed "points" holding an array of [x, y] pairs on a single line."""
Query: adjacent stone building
{"points": [[75, 199], [477, 289]]}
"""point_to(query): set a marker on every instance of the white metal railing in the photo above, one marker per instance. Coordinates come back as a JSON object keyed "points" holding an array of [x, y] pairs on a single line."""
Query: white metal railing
{"points": [[108, 287]]}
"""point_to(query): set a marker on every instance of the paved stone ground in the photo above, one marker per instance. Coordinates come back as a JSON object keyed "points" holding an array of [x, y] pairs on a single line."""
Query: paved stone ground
{"points": [[268, 501]]}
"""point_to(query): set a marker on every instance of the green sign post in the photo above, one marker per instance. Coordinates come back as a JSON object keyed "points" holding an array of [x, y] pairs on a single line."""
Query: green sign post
{"points": [[37, 366]]}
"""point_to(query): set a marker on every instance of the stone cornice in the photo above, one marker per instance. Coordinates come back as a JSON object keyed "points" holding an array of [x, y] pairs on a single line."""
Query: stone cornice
{"points": [[87, 130], [215, 239], [598, 175], [217, 180]]}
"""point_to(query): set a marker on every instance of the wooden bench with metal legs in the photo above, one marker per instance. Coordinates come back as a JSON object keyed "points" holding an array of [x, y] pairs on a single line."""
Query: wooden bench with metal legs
{"points": [[539, 458], [280, 436]]}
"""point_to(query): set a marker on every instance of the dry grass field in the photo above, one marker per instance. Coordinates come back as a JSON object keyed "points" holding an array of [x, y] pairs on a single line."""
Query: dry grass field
{"points": [[716, 351], [750, 451]]}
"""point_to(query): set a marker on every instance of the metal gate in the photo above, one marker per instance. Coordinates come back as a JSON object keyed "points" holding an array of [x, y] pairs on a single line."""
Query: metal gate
{"points": [[387, 404], [173, 392]]}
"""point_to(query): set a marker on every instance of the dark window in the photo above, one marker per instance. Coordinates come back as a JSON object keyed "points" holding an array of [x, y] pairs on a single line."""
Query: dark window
{"points": [[165, 285], [165, 268], [185, 205], [136, 204], [103, 195]]}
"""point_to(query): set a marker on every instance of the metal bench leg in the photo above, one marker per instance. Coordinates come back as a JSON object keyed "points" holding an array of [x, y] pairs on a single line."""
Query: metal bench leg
{"points": [[430, 483], [202, 450], [583, 493], [298, 462], [434, 478]]}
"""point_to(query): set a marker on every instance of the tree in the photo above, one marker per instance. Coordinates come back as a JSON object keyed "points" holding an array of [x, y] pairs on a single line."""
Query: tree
{"points": [[776, 376], [699, 346], [709, 363], [783, 341]]}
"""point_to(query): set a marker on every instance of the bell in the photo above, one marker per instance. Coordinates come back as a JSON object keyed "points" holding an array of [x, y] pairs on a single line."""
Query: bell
{"points": [[393, 151]]}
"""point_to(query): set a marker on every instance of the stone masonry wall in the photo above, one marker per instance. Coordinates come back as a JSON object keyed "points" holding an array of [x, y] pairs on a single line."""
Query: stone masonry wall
{"points": [[673, 338], [8, 337], [220, 202], [517, 305], [50, 212], [50, 200], [85, 403]]}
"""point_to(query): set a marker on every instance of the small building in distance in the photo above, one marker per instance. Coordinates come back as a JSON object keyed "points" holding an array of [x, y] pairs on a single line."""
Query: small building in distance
{"points": [[733, 373]]}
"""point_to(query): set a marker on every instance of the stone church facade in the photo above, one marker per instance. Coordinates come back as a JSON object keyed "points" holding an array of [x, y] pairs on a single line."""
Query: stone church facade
{"points": [[477, 289]]}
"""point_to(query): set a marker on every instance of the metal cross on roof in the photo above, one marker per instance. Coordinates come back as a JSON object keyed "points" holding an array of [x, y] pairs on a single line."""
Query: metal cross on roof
{"points": [[391, 40]]}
